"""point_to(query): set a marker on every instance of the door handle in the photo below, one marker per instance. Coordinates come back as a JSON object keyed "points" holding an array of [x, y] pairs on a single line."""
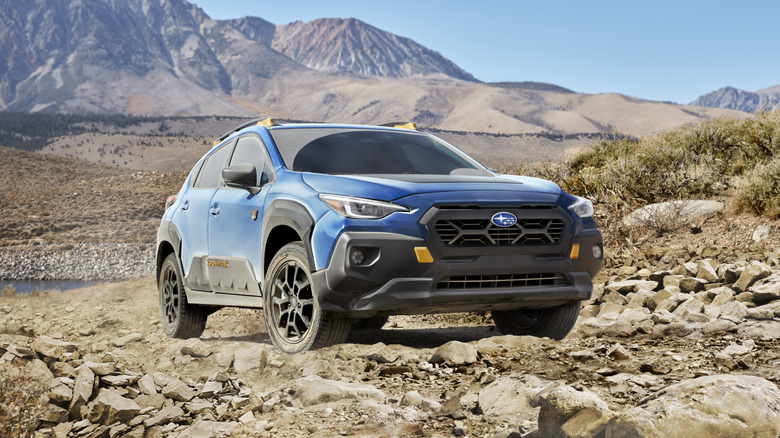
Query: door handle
{"points": [[185, 205], [215, 210]]}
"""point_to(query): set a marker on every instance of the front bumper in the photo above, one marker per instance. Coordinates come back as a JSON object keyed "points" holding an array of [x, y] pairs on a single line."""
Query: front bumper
{"points": [[391, 280]]}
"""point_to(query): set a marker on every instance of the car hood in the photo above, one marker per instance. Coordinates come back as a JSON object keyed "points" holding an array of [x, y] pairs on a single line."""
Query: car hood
{"points": [[394, 187]]}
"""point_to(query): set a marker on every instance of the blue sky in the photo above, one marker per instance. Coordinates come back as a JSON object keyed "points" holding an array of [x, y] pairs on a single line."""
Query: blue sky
{"points": [[657, 50]]}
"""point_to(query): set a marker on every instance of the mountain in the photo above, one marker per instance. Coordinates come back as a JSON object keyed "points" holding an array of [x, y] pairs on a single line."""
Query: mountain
{"points": [[749, 102], [167, 57], [334, 44]]}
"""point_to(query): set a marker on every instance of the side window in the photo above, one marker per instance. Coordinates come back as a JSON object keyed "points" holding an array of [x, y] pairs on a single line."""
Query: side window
{"points": [[250, 149], [211, 176]]}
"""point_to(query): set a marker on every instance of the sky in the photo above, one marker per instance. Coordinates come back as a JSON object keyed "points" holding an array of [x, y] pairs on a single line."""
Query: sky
{"points": [[656, 50]]}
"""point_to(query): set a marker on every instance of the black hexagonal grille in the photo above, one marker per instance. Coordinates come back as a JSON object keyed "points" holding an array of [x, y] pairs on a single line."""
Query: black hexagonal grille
{"points": [[500, 281], [483, 232]]}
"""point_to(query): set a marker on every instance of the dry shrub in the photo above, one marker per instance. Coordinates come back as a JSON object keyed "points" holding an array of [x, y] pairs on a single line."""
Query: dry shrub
{"points": [[701, 161], [758, 191], [20, 403], [8, 292]]}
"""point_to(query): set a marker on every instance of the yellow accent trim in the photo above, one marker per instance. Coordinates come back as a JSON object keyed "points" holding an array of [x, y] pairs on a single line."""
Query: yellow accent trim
{"points": [[411, 126], [269, 122], [575, 251], [218, 263], [423, 255], [216, 142]]}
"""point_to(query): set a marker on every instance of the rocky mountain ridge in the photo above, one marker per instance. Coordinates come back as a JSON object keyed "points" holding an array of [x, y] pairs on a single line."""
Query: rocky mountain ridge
{"points": [[167, 57], [741, 100]]}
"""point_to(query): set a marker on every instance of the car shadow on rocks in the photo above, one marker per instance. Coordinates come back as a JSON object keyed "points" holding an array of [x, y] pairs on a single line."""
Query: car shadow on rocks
{"points": [[421, 337]]}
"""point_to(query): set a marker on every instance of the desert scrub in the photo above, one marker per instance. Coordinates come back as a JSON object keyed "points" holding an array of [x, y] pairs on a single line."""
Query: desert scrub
{"points": [[20, 404], [8, 292], [758, 191]]}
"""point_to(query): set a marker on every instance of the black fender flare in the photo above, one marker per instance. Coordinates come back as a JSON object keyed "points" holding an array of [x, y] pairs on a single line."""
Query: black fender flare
{"points": [[167, 233], [292, 214]]}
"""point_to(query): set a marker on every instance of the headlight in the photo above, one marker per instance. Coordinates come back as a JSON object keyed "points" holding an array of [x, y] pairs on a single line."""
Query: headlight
{"points": [[582, 207], [359, 208]]}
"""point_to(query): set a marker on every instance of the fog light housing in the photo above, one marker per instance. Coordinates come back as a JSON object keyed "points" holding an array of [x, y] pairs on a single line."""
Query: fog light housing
{"points": [[357, 256], [598, 251]]}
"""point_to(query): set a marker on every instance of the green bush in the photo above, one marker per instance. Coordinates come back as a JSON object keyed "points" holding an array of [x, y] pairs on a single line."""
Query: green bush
{"points": [[20, 404]]}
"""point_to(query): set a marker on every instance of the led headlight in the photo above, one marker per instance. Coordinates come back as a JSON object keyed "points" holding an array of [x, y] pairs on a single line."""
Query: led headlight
{"points": [[582, 207], [359, 208]]}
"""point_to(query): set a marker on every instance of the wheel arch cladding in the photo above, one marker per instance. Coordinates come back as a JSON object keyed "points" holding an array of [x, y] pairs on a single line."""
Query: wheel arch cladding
{"points": [[169, 241], [285, 222]]}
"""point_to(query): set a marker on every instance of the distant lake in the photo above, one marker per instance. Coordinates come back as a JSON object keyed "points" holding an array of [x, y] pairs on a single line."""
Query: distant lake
{"points": [[25, 286]]}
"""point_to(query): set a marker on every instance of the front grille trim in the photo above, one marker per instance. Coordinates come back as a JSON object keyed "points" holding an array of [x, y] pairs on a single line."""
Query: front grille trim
{"points": [[482, 232]]}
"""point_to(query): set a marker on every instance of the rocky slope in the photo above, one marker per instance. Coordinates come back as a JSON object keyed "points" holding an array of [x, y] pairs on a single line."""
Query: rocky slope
{"points": [[741, 100], [686, 347]]}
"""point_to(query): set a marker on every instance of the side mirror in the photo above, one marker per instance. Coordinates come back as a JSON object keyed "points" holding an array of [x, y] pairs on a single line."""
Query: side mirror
{"points": [[243, 176]]}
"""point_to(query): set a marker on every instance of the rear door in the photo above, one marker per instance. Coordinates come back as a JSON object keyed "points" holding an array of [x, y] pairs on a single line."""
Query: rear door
{"points": [[235, 225]]}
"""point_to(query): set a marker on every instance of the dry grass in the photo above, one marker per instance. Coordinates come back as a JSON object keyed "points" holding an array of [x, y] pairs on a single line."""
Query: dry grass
{"points": [[20, 404]]}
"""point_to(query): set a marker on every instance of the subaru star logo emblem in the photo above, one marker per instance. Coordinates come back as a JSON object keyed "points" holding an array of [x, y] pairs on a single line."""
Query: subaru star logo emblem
{"points": [[504, 219]]}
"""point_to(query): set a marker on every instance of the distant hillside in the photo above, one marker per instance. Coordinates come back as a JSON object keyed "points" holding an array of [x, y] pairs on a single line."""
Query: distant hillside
{"points": [[735, 99]]}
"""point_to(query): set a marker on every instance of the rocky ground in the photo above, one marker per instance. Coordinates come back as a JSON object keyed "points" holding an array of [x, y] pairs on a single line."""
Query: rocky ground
{"points": [[688, 346]]}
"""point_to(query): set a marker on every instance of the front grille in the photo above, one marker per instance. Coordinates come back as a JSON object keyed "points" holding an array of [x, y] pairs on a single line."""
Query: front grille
{"points": [[480, 232], [500, 281]]}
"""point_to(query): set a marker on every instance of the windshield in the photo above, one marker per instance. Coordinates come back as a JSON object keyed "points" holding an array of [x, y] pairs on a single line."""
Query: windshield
{"points": [[370, 152]]}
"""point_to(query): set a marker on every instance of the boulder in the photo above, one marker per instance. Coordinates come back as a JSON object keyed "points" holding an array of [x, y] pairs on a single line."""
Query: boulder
{"points": [[166, 415], [51, 347], [455, 353], [195, 348], [717, 406], [706, 271], [204, 428], [691, 306], [83, 388], [127, 339], [753, 272], [723, 295], [252, 358], [110, 407], [178, 390], [766, 290], [627, 286], [734, 311], [510, 398], [689, 285], [683, 211], [313, 390], [560, 404], [718, 326]]}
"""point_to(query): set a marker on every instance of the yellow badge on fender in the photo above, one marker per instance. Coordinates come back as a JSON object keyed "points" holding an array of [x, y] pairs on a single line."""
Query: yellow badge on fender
{"points": [[218, 263], [254, 215]]}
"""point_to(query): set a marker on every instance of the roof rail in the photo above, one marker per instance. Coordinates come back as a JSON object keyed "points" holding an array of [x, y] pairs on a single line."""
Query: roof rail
{"points": [[402, 125], [267, 122]]}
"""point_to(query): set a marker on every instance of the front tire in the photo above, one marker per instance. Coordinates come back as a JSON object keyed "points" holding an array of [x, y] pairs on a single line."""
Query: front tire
{"points": [[293, 318], [179, 318], [555, 322]]}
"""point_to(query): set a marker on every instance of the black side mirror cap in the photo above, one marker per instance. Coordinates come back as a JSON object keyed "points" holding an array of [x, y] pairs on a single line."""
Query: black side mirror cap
{"points": [[243, 176]]}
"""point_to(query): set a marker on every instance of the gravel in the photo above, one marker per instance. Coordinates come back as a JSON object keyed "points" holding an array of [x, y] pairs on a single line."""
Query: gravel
{"points": [[81, 261]]}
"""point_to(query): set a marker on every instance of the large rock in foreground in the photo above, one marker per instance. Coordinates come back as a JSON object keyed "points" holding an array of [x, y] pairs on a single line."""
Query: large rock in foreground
{"points": [[722, 406]]}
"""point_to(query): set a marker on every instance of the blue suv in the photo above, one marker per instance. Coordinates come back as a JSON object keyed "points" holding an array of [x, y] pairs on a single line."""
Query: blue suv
{"points": [[328, 226]]}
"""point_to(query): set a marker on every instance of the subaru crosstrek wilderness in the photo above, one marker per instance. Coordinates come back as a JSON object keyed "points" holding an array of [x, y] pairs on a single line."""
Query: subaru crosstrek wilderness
{"points": [[325, 226]]}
